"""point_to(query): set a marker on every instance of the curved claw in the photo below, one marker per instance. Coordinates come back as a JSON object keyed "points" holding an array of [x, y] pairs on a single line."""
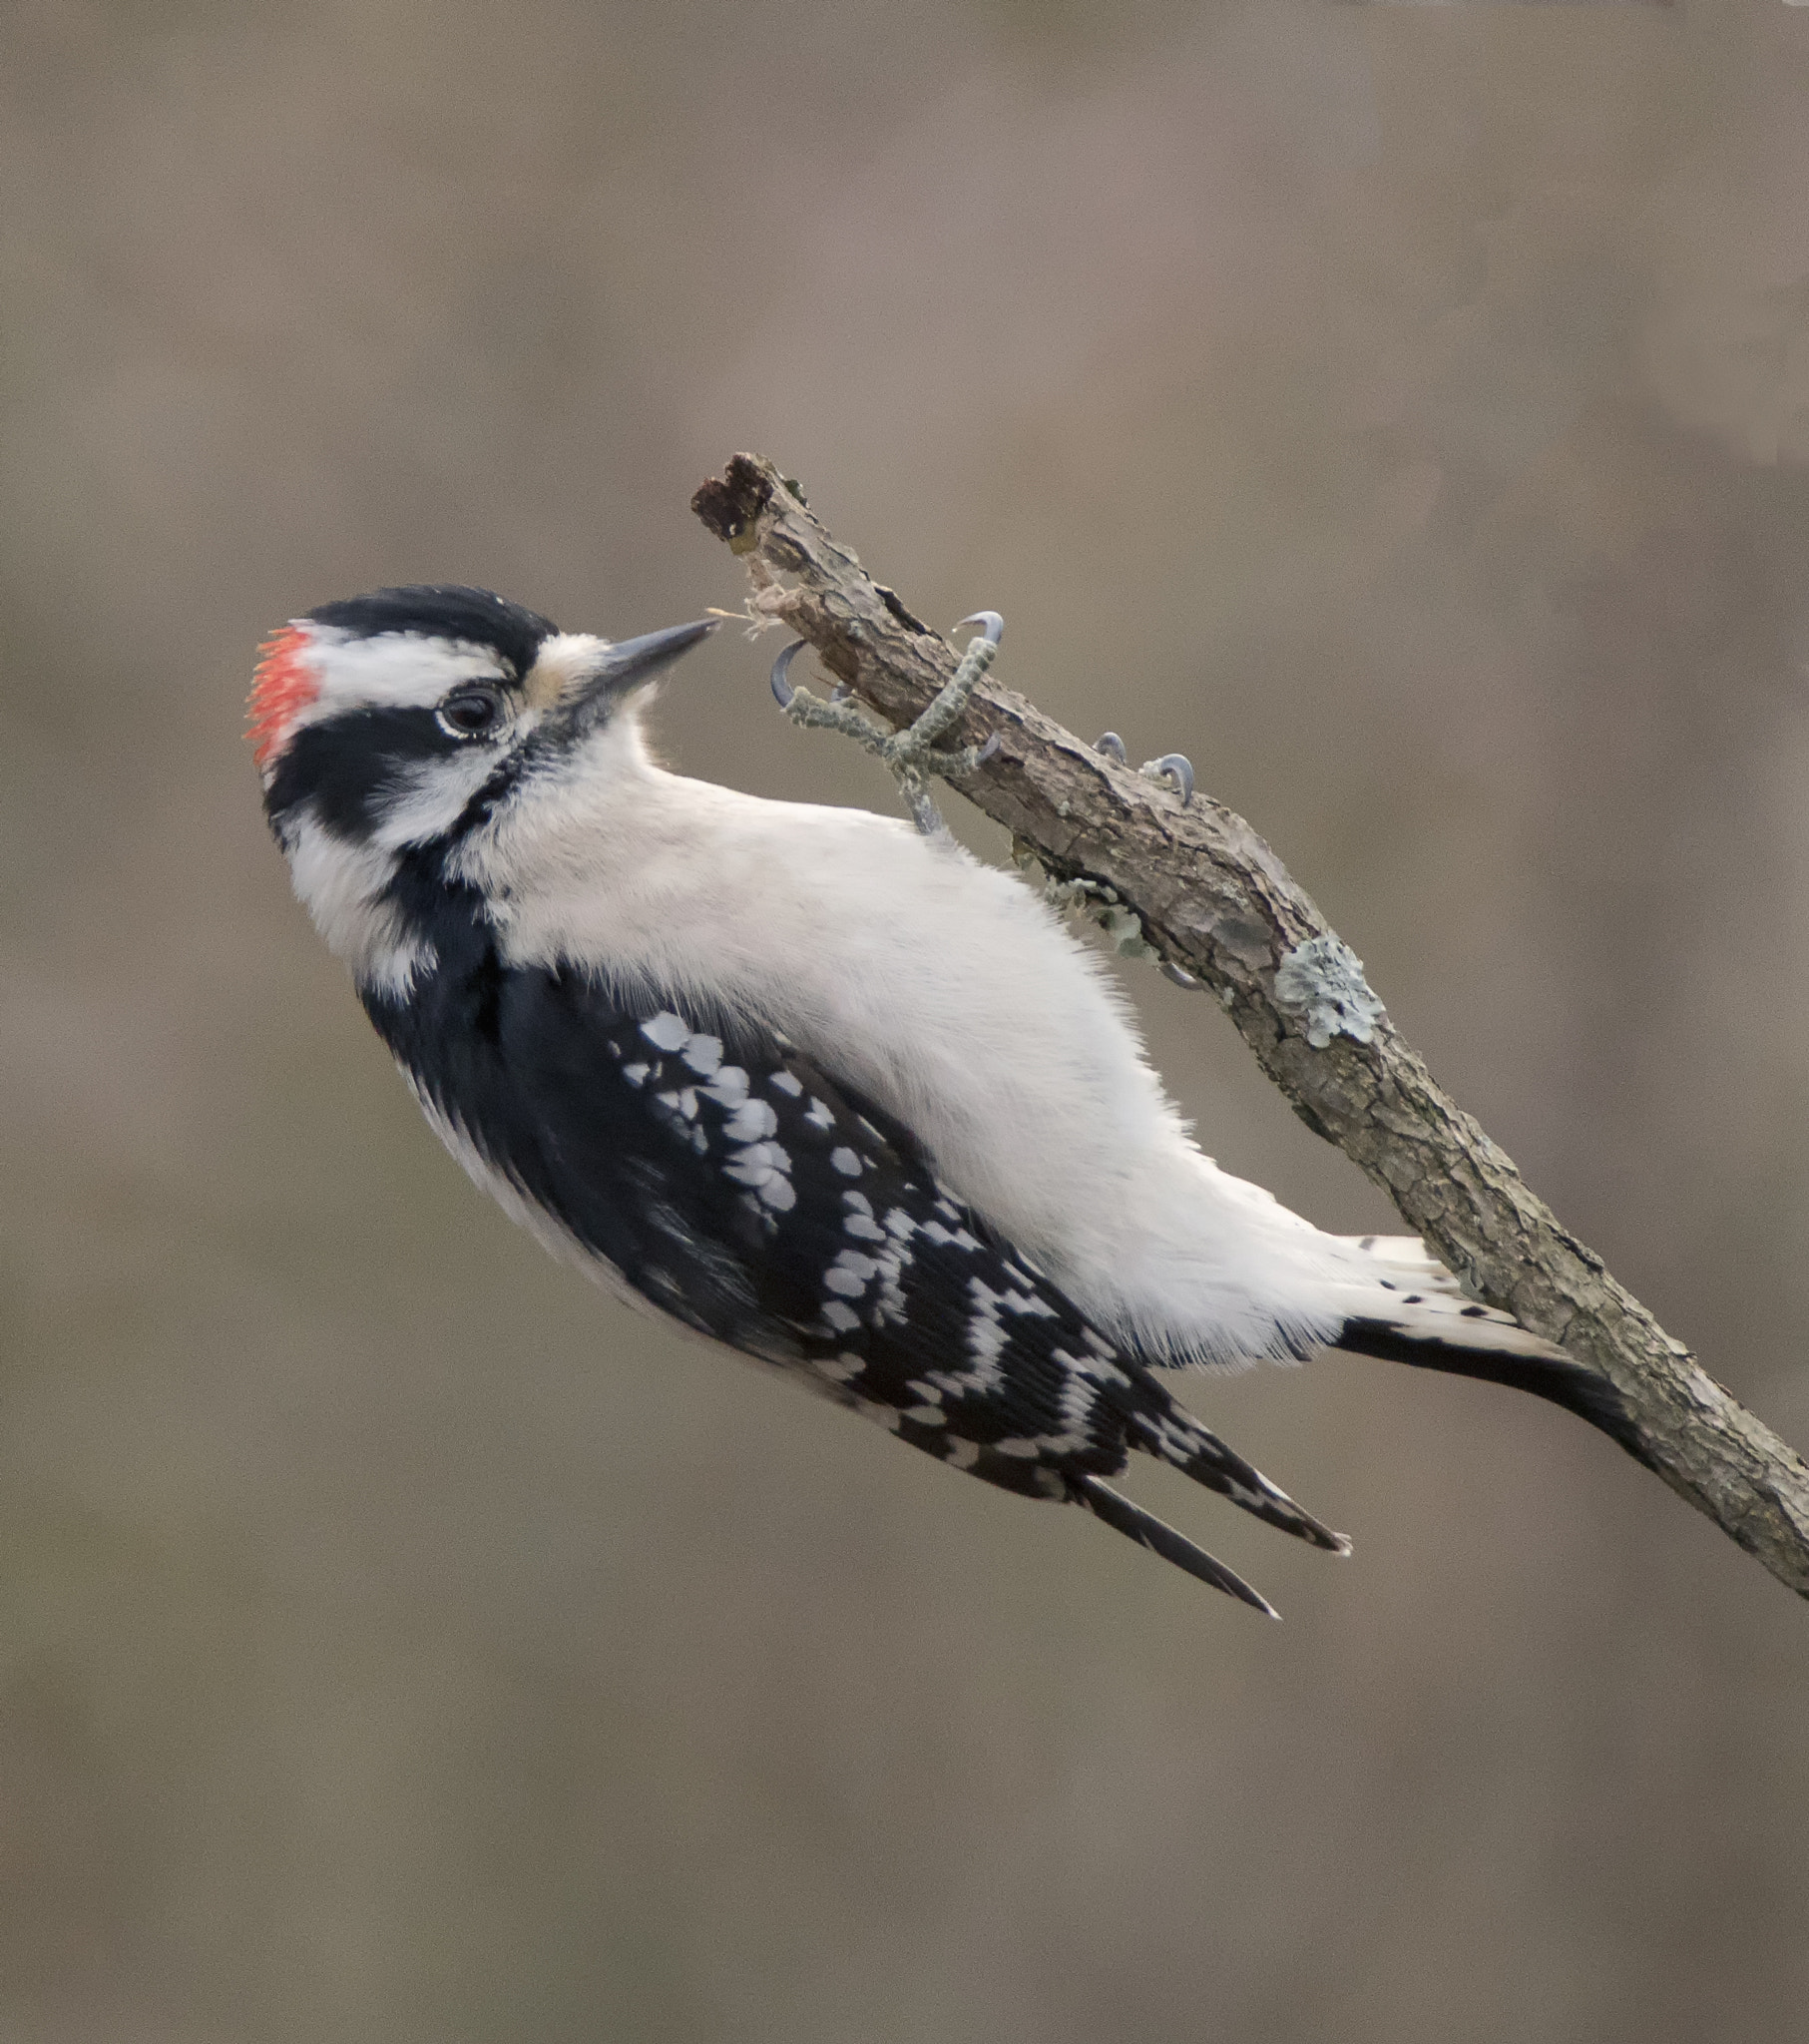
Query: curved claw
{"points": [[1180, 769], [991, 625], [782, 691], [988, 751], [1113, 746], [1178, 973]]}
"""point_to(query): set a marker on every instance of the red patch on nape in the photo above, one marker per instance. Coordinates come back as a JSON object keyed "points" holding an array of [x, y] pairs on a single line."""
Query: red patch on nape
{"points": [[283, 688]]}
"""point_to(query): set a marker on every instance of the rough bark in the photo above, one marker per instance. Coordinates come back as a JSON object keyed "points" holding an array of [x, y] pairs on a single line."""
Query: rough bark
{"points": [[1214, 900]]}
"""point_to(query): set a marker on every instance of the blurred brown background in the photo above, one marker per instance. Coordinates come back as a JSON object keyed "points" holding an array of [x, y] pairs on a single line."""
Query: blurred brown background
{"points": [[1403, 410]]}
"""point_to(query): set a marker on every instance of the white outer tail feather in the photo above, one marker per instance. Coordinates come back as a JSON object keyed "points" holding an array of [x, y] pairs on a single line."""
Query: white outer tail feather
{"points": [[1415, 1295]]}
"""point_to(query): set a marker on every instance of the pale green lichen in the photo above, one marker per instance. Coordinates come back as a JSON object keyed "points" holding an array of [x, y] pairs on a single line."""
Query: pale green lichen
{"points": [[1091, 901], [1323, 978]]}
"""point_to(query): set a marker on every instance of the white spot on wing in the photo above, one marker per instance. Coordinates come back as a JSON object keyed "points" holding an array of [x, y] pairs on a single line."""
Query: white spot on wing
{"points": [[704, 1054], [757, 1164], [729, 1086], [750, 1121]]}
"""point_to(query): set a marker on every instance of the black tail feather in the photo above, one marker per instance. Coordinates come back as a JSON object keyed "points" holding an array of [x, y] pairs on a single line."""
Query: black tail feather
{"points": [[1564, 1382], [1160, 1427], [1146, 1530]]}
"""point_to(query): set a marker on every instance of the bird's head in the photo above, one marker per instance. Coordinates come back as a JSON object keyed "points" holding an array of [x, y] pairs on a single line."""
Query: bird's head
{"points": [[402, 721], [393, 718]]}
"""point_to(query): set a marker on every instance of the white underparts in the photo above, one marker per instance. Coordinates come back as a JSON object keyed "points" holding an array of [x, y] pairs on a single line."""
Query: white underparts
{"points": [[946, 991]]}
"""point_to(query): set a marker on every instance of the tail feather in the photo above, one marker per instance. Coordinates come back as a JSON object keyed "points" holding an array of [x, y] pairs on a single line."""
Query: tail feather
{"points": [[1411, 1310], [1399, 1303], [1494, 1351], [1171, 1434], [1400, 1256], [1118, 1512]]}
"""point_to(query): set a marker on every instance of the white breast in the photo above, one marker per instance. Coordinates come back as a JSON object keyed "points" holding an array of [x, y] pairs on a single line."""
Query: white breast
{"points": [[949, 994]]}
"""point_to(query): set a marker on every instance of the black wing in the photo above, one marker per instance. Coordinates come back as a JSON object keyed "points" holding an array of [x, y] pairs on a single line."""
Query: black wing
{"points": [[724, 1177]]}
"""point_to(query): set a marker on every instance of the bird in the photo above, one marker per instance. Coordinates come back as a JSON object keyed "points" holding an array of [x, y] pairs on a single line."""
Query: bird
{"points": [[817, 1086]]}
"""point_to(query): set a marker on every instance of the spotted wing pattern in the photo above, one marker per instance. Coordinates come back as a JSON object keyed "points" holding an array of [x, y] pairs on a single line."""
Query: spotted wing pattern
{"points": [[724, 1177]]}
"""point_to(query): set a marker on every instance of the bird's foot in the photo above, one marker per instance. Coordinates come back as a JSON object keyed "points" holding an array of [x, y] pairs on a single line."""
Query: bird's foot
{"points": [[1174, 768], [1178, 769], [910, 754]]}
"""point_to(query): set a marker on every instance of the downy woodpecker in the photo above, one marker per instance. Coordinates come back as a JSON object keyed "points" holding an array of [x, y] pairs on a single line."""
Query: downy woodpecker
{"points": [[819, 1087]]}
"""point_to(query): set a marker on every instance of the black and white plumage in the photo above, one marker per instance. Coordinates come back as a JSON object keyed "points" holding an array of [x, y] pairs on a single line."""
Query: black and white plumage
{"points": [[819, 1088]]}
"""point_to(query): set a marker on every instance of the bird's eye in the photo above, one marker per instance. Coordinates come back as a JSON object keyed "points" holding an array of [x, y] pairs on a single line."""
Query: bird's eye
{"points": [[470, 712]]}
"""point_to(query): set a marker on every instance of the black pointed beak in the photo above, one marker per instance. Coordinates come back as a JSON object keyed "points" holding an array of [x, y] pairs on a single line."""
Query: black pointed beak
{"points": [[624, 667]]}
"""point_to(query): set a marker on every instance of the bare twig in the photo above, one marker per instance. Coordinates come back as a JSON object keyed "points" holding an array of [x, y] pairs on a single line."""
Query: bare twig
{"points": [[1213, 900]]}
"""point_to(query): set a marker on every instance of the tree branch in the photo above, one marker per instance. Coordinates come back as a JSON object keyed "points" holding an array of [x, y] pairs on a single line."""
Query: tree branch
{"points": [[1214, 900]]}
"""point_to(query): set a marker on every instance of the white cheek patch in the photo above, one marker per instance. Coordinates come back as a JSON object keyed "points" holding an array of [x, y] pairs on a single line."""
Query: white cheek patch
{"points": [[429, 798]]}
